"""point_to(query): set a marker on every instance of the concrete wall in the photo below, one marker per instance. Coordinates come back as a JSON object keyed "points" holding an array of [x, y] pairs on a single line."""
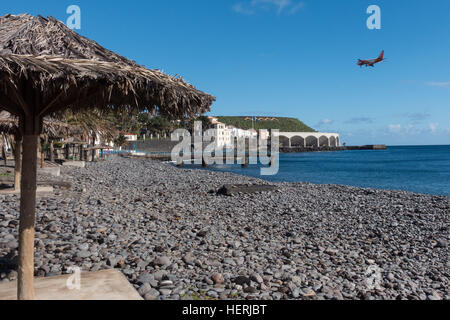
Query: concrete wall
{"points": [[162, 145]]}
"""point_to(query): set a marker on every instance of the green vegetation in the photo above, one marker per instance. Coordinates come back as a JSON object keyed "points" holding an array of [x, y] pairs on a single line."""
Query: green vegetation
{"points": [[58, 145], [120, 140], [283, 124]]}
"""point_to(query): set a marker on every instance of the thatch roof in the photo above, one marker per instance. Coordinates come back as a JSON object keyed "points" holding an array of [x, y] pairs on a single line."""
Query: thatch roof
{"points": [[29, 35], [76, 72], [51, 128], [45, 67]]}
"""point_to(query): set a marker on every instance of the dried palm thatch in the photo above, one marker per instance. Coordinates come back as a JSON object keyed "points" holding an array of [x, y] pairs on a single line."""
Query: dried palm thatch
{"points": [[44, 68], [58, 61], [82, 84], [94, 124], [51, 129], [28, 35]]}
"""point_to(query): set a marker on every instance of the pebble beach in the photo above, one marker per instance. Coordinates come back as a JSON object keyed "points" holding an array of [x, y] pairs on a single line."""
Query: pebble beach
{"points": [[174, 238]]}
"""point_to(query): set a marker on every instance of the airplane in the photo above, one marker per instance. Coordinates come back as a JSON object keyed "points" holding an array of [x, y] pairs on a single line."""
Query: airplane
{"points": [[372, 62]]}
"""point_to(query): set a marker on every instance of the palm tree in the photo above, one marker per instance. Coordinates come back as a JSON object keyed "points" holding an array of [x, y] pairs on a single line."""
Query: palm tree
{"points": [[93, 124]]}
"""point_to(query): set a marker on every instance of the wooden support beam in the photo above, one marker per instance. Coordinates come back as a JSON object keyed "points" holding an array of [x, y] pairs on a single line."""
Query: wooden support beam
{"points": [[52, 151], [30, 128], [25, 285], [17, 162]]}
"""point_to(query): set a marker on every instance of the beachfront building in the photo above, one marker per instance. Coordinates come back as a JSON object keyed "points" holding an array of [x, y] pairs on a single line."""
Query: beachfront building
{"points": [[130, 136], [241, 133], [225, 135], [264, 134], [100, 140], [220, 134]]}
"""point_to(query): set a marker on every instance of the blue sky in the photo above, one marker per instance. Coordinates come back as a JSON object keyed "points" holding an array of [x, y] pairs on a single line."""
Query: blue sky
{"points": [[294, 58]]}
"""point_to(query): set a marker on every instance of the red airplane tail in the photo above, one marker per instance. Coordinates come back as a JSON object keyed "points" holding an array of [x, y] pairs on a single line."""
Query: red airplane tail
{"points": [[381, 57]]}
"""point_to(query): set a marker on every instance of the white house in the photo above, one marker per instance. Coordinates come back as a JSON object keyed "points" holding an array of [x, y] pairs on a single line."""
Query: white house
{"points": [[130, 136], [222, 135]]}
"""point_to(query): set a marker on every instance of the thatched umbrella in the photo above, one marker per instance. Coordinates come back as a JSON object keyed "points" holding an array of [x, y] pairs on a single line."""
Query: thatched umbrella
{"points": [[51, 129], [93, 124], [44, 68]]}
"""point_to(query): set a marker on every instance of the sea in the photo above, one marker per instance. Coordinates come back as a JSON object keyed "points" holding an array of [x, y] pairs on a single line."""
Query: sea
{"points": [[419, 169]]}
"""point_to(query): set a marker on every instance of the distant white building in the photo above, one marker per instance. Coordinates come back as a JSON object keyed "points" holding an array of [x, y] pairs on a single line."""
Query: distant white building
{"points": [[264, 134], [99, 141], [130, 136], [221, 134], [241, 133], [224, 135]]}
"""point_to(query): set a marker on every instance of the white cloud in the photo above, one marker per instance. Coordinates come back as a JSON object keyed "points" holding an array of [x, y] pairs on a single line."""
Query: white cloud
{"points": [[395, 128], [439, 84], [411, 129], [324, 122], [294, 9], [240, 8], [433, 127], [250, 7]]}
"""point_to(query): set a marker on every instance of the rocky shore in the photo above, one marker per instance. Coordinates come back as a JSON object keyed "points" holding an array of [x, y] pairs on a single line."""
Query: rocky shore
{"points": [[169, 232]]}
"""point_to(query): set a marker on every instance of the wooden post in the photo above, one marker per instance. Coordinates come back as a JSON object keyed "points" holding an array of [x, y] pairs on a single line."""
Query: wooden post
{"points": [[17, 162], [81, 152], [246, 161], [93, 150], [30, 128], [42, 154], [4, 154], [67, 151], [25, 285], [52, 151]]}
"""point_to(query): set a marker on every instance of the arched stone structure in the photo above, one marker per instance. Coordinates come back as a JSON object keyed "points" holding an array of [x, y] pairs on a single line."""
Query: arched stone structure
{"points": [[324, 141], [284, 142], [311, 139], [333, 142], [298, 141]]}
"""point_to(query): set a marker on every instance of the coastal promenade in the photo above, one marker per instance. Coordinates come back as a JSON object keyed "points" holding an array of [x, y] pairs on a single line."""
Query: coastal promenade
{"points": [[173, 237]]}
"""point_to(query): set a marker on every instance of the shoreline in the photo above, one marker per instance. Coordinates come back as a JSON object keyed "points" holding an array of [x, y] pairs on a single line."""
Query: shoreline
{"points": [[211, 168], [174, 238]]}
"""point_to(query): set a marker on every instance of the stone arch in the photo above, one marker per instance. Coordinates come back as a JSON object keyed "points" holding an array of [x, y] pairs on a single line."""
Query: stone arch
{"points": [[284, 141], [333, 141], [297, 141], [323, 141], [311, 141]]}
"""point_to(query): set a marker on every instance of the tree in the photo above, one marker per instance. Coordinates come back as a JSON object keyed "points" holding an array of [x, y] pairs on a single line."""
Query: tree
{"points": [[159, 125], [120, 140], [206, 123]]}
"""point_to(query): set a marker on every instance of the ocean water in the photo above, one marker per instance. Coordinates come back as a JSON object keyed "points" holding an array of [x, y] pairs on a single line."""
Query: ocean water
{"points": [[420, 169]]}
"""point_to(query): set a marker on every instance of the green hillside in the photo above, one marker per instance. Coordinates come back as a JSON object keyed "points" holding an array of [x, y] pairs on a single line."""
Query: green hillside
{"points": [[283, 124]]}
